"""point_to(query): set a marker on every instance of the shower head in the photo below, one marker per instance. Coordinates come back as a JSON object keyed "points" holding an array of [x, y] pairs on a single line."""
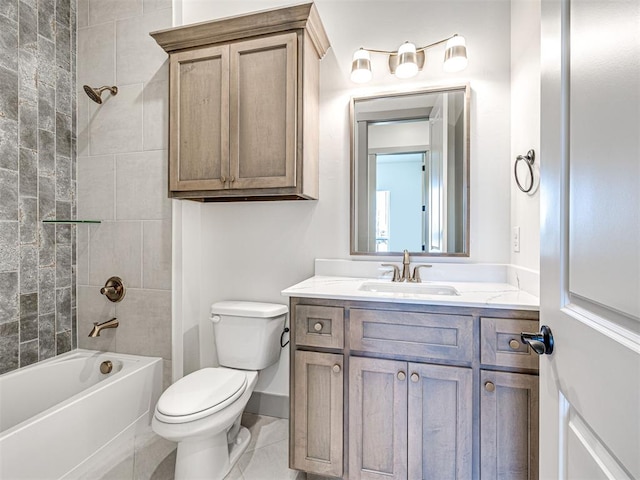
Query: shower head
{"points": [[95, 94]]}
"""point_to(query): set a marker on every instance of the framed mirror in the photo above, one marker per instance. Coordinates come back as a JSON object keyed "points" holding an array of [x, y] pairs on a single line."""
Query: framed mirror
{"points": [[410, 173]]}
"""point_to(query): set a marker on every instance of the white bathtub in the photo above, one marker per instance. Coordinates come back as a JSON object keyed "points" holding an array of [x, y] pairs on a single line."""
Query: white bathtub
{"points": [[57, 414]]}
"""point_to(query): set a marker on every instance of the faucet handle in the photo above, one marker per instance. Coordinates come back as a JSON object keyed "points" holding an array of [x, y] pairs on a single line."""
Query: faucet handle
{"points": [[396, 271], [416, 273]]}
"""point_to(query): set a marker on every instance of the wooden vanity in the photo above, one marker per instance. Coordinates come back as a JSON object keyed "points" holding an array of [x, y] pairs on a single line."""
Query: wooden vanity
{"points": [[412, 391]]}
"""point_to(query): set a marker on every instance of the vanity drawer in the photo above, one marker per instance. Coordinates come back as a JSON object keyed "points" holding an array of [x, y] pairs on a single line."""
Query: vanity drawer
{"points": [[501, 345], [425, 335], [318, 326]]}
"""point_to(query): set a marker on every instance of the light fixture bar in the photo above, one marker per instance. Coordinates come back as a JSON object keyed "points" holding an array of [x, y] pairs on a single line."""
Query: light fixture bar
{"points": [[408, 60]]}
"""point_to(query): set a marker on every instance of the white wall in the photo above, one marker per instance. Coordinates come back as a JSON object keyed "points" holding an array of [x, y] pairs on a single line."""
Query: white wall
{"points": [[525, 126], [254, 250]]}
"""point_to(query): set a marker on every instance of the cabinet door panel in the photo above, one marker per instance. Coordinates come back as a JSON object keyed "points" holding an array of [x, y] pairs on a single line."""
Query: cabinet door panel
{"points": [[377, 419], [318, 413], [263, 112], [508, 426], [440, 422], [199, 119]]}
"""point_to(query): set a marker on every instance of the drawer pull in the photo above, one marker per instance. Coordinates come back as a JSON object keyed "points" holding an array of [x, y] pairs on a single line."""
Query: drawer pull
{"points": [[336, 368], [415, 377], [490, 387], [317, 327], [401, 375], [514, 344]]}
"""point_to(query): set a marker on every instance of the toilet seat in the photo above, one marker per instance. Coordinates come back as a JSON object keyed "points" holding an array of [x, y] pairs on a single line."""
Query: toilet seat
{"points": [[200, 394]]}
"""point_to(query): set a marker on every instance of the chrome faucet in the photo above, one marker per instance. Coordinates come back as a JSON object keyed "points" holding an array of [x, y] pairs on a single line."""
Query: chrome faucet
{"points": [[97, 327], [406, 276]]}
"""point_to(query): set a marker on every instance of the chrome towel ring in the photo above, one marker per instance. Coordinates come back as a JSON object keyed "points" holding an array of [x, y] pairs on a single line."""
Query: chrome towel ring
{"points": [[529, 158]]}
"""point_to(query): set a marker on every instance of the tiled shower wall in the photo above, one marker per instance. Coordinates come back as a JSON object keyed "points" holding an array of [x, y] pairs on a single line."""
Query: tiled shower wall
{"points": [[122, 176], [37, 180]]}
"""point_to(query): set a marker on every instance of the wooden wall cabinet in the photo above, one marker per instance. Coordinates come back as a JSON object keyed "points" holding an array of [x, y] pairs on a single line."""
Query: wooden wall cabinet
{"points": [[429, 392], [243, 113]]}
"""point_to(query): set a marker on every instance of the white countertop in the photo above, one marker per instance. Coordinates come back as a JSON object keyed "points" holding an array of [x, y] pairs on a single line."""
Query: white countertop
{"points": [[472, 294]]}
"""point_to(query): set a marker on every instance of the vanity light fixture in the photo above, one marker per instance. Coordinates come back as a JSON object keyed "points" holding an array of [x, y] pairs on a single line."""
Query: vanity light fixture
{"points": [[408, 60]]}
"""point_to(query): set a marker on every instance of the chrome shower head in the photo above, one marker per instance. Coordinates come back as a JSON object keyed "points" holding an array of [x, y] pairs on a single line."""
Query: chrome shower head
{"points": [[95, 94]]}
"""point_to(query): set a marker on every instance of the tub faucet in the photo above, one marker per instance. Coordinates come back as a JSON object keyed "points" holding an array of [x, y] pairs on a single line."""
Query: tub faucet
{"points": [[97, 327]]}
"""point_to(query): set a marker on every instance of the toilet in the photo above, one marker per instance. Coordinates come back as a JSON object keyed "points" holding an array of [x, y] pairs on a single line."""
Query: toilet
{"points": [[202, 411]]}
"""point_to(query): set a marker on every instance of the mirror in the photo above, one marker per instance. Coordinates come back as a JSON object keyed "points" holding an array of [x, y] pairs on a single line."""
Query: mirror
{"points": [[410, 173]]}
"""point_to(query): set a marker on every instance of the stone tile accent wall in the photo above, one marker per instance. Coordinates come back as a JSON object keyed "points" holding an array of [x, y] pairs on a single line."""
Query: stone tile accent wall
{"points": [[37, 180]]}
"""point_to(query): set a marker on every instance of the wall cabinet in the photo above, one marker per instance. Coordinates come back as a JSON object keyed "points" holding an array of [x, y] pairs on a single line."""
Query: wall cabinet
{"points": [[428, 392], [243, 115]]}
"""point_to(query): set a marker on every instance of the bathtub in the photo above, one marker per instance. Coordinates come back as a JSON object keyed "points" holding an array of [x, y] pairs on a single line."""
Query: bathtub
{"points": [[56, 415]]}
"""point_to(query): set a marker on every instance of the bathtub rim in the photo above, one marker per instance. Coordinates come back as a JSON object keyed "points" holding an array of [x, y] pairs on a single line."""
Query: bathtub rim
{"points": [[132, 364]]}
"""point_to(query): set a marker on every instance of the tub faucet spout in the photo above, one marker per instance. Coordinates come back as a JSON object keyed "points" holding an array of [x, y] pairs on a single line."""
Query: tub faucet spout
{"points": [[97, 327]]}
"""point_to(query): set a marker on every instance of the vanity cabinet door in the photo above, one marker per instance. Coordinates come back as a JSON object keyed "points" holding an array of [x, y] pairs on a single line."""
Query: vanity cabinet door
{"points": [[508, 426], [318, 413], [377, 419], [440, 422]]}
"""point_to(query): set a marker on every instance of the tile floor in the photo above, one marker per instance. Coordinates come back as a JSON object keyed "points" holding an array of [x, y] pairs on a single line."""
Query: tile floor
{"points": [[266, 457]]}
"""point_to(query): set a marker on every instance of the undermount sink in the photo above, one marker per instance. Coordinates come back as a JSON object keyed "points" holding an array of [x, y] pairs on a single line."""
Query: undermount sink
{"points": [[410, 288]]}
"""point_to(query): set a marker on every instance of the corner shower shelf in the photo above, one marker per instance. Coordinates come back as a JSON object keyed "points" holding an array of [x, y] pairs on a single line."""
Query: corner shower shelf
{"points": [[71, 222]]}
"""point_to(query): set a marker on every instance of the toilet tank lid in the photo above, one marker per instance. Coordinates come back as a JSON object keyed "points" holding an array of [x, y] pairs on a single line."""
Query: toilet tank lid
{"points": [[248, 309]]}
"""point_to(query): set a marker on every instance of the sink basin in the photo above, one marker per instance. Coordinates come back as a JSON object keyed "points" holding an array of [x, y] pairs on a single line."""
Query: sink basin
{"points": [[410, 288]]}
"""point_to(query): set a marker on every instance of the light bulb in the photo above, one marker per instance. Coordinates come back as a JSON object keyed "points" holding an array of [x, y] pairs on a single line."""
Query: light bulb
{"points": [[361, 67], [455, 55], [407, 61]]}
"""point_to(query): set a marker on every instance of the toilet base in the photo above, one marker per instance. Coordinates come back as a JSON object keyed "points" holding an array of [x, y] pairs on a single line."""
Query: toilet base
{"points": [[210, 458]]}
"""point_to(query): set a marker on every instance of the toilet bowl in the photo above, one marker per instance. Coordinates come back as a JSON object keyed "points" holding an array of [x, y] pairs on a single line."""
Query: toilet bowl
{"points": [[202, 411]]}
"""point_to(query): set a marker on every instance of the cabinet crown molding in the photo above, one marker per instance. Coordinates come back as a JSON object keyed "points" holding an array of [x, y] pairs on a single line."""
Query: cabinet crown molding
{"points": [[266, 22]]}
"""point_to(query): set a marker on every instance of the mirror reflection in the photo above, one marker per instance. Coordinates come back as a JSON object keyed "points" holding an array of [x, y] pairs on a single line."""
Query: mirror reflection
{"points": [[410, 168]]}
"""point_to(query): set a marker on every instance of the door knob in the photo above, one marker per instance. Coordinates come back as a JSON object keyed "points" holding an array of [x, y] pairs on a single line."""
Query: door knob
{"points": [[541, 343]]}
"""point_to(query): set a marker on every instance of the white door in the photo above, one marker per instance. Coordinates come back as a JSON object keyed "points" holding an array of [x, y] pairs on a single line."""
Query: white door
{"points": [[590, 239]]}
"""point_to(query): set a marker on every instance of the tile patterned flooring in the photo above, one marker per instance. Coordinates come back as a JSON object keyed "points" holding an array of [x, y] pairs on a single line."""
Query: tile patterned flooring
{"points": [[266, 457]]}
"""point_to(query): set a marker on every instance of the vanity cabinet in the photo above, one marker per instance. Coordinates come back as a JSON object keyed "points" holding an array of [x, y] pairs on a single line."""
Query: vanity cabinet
{"points": [[409, 420], [428, 392], [243, 106]]}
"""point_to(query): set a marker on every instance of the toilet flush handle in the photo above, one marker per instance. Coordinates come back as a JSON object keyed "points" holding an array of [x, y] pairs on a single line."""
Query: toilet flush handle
{"points": [[215, 318]]}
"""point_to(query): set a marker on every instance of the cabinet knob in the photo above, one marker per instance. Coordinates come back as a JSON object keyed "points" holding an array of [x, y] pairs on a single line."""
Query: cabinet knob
{"points": [[415, 377], [223, 179], [514, 344], [402, 375], [336, 368], [490, 387], [317, 327], [233, 178]]}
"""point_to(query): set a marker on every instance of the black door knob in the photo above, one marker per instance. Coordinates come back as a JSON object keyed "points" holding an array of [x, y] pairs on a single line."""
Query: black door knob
{"points": [[541, 343]]}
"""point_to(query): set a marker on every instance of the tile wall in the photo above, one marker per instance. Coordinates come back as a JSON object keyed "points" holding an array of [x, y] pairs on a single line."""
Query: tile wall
{"points": [[122, 176], [37, 180]]}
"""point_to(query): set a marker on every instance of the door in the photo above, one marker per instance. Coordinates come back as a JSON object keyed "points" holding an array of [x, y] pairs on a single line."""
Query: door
{"points": [[318, 406], [590, 239], [440, 422], [377, 419], [199, 119], [263, 91], [508, 426]]}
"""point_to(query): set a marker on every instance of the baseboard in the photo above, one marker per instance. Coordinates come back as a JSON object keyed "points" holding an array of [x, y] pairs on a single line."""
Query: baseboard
{"points": [[268, 404]]}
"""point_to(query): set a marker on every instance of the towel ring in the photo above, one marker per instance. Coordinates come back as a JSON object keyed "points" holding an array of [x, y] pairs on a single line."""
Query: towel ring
{"points": [[529, 158]]}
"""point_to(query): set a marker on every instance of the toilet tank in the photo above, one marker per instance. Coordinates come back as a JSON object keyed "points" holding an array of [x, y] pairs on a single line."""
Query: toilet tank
{"points": [[247, 334]]}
